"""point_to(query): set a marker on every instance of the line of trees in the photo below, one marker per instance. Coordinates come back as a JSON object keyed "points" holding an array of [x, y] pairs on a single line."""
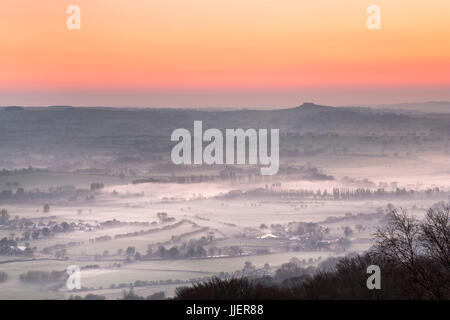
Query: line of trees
{"points": [[337, 193]]}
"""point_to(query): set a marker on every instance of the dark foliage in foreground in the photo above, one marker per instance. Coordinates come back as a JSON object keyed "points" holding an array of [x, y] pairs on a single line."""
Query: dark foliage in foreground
{"points": [[232, 289], [413, 257]]}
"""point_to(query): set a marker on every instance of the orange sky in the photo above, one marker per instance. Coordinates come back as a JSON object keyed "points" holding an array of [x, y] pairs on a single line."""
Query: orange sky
{"points": [[219, 46]]}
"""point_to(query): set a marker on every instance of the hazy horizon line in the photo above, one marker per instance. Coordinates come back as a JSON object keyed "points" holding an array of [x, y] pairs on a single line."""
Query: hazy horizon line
{"points": [[398, 104]]}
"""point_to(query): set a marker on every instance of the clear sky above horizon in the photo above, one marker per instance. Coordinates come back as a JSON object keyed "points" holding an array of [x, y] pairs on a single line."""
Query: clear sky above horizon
{"points": [[241, 53]]}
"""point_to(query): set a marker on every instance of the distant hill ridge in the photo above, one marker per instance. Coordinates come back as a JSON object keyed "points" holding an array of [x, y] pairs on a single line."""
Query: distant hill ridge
{"points": [[423, 107]]}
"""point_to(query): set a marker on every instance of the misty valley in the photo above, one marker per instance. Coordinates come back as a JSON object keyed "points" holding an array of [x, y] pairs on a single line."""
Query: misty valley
{"points": [[96, 188]]}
